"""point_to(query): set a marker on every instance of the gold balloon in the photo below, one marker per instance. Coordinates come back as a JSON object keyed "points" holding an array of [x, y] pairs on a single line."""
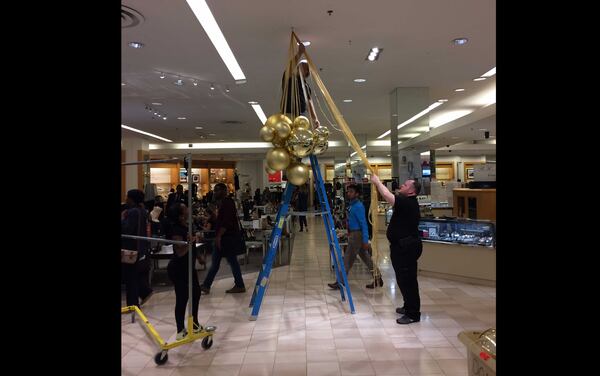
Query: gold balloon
{"points": [[297, 173], [301, 122], [322, 140], [281, 124], [301, 142], [267, 133], [283, 129], [276, 118], [278, 142], [278, 159], [269, 171]]}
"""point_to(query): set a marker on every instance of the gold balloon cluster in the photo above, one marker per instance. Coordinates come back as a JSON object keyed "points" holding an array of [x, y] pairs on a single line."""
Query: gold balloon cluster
{"points": [[292, 139]]}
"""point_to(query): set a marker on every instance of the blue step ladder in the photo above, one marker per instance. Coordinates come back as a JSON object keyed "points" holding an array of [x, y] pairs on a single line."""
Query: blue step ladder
{"points": [[334, 247]]}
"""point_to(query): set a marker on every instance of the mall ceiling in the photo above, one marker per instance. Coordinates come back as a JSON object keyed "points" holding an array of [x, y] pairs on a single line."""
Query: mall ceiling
{"points": [[416, 37]]}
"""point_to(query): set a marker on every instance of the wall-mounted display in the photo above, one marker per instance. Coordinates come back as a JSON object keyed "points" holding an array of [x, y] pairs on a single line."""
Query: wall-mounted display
{"points": [[470, 173], [444, 171]]}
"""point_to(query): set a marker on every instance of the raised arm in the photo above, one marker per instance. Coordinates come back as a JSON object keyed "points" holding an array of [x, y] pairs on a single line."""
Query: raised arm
{"points": [[387, 195]]}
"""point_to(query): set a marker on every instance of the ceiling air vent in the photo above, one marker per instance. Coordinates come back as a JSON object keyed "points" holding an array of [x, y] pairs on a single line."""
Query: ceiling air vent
{"points": [[130, 17]]}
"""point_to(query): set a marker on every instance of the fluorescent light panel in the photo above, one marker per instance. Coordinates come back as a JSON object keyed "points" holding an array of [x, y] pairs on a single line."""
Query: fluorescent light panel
{"points": [[433, 106], [447, 117], [217, 145], [145, 133], [208, 22], [354, 153], [260, 113], [409, 135], [489, 73]]}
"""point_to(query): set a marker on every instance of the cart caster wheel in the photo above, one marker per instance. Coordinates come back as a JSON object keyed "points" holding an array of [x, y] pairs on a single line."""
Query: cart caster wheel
{"points": [[207, 342], [161, 358]]}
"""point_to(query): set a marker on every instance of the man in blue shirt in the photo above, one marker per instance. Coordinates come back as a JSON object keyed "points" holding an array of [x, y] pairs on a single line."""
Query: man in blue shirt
{"points": [[358, 235]]}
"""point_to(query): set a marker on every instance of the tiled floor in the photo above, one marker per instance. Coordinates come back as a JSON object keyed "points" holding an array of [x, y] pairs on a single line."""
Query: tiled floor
{"points": [[304, 329]]}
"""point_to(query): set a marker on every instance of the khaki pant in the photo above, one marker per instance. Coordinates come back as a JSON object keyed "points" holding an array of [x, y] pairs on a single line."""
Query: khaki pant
{"points": [[354, 248]]}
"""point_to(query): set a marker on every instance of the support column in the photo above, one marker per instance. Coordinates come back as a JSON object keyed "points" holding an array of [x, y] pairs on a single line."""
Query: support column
{"points": [[135, 149], [406, 102]]}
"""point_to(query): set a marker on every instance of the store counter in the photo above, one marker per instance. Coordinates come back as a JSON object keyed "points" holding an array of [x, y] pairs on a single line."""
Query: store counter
{"points": [[459, 249], [445, 211]]}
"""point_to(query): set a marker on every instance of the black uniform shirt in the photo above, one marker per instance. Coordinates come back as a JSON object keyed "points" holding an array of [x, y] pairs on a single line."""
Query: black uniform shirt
{"points": [[405, 219]]}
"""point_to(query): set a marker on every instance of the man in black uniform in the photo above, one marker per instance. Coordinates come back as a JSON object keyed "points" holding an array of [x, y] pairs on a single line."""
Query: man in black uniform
{"points": [[405, 244]]}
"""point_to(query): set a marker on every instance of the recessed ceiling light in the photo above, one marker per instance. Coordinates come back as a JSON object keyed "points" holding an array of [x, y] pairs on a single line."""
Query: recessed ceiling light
{"points": [[460, 41], [347, 100], [157, 103], [479, 79], [442, 100], [136, 44], [227, 89], [181, 118], [306, 43], [359, 80], [156, 113], [179, 82], [482, 129], [162, 76], [374, 53], [195, 83], [211, 27], [459, 89], [212, 134], [252, 102], [222, 140], [165, 118], [212, 87], [123, 84], [199, 128], [395, 115], [389, 155]]}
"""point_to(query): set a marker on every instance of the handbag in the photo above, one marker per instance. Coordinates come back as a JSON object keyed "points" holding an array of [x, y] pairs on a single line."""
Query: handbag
{"points": [[128, 256]]}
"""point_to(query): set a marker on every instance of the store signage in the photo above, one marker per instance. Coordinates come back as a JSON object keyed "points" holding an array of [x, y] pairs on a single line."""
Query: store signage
{"points": [[275, 178]]}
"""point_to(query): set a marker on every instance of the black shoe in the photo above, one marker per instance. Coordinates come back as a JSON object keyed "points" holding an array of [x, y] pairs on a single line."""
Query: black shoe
{"points": [[372, 284], [400, 311], [235, 290], [334, 285], [406, 320]]}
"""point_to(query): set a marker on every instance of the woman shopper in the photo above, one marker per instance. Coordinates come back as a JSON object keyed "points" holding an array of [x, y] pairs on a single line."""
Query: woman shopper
{"points": [[177, 229], [134, 220], [228, 239]]}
